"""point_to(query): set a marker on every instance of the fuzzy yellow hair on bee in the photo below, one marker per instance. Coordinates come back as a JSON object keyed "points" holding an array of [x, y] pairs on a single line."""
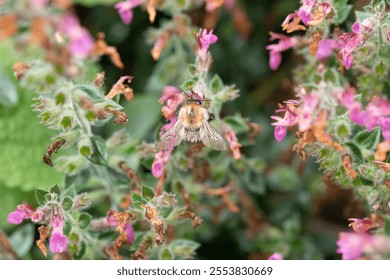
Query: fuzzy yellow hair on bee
{"points": [[192, 126]]}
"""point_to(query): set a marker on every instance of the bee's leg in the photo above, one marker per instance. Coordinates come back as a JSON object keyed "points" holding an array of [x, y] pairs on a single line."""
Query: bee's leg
{"points": [[211, 117]]}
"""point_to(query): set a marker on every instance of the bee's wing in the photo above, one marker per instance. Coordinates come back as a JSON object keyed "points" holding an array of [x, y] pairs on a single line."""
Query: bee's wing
{"points": [[172, 137], [210, 137]]}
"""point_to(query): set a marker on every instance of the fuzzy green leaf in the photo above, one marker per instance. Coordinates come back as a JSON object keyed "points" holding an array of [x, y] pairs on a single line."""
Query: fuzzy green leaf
{"points": [[368, 140], [67, 203], [40, 196], [100, 154], [84, 220], [147, 193], [166, 254], [165, 211], [356, 152]]}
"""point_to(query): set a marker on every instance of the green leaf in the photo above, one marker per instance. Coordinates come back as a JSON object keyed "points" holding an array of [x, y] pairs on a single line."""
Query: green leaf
{"points": [[8, 94], [216, 84], [81, 251], [67, 227], [356, 152], [387, 226], [100, 154], [368, 140], [237, 123], [40, 196], [384, 52], [70, 191], [166, 254], [380, 69], [361, 16], [55, 189], [147, 193], [341, 10], [192, 69], [22, 239], [165, 211], [85, 151], [84, 220], [67, 203], [188, 85], [137, 200], [66, 122], [60, 98]]}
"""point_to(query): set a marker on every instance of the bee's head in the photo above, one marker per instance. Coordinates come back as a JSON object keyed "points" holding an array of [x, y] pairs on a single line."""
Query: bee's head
{"points": [[194, 101]]}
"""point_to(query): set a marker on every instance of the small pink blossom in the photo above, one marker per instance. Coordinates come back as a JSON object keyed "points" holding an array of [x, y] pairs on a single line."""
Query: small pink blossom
{"points": [[57, 221], [80, 40], [38, 4], [385, 125], [172, 97], [310, 102], [125, 9], [233, 143], [351, 245], [160, 159], [58, 241], [229, 4], [351, 40], [128, 228], [22, 211], [325, 48], [377, 112], [284, 44], [304, 11], [38, 216], [290, 118], [361, 225], [204, 40], [276, 256]]}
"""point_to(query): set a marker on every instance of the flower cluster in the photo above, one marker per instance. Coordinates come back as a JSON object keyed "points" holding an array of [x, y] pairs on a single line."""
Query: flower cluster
{"points": [[346, 128]]}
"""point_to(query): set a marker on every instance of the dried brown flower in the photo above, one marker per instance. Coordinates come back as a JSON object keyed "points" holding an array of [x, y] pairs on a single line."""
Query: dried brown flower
{"points": [[20, 68], [53, 148], [101, 48]]}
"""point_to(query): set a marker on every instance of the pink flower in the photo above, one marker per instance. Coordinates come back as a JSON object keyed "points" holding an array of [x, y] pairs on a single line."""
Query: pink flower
{"points": [[38, 4], [80, 41], [361, 225], [385, 125], [284, 44], [233, 143], [38, 216], [128, 228], [276, 256], [172, 97], [22, 211], [125, 9], [160, 159], [110, 218], [58, 241], [352, 245], [304, 11], [204, 40], [351, 40], [377, 112], [325, 48], [290, 118], [57, 221], [310, 102]]}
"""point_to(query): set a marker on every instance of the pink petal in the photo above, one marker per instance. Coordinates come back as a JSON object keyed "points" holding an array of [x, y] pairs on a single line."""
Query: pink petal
{"points": [[280, 132]]}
